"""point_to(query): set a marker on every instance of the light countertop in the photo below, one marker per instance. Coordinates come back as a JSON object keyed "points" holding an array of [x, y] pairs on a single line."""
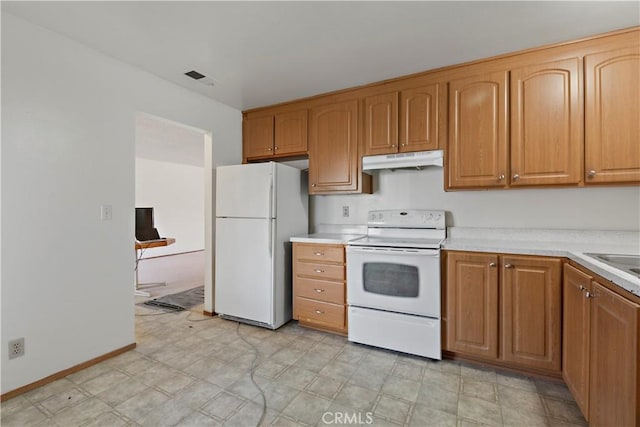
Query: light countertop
{"points": [[329, 238], [572, 244]]}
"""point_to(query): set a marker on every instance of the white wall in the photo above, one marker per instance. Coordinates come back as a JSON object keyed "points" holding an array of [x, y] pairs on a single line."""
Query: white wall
{"points": [[176, 193], [604, 208], [68, 135]]}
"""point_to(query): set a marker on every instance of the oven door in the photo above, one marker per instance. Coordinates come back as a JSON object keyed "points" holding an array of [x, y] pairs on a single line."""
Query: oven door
{"points": [[402, 280]]}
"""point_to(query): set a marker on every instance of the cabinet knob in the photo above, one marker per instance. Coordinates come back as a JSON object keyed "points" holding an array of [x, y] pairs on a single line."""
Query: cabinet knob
{"points": [[319, 312], [501, 177], [319, 290], [582, 288], [516, 177], [393, 145], [508, 266], [589, 295], [492, 264], [276, 148], [318, 253], [313, 185], [317, 270], [591, 173], [402, 145]]}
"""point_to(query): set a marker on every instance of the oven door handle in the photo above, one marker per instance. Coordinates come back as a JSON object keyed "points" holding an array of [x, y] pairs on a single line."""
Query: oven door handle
{"points": [[392, 251]]}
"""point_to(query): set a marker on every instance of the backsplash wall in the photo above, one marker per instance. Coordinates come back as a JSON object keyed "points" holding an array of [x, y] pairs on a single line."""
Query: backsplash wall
{"points": [[601, 208]]}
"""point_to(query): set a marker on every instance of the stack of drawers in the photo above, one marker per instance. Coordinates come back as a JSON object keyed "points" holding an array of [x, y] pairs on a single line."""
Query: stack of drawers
{"points": [[319, 291]]}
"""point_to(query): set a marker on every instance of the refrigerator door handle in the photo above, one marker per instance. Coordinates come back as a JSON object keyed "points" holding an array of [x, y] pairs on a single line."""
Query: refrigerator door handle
{"points": [[269, 242]]}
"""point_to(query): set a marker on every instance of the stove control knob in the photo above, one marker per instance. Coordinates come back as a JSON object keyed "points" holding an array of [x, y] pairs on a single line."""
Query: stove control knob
{"points": [[430, 217]]}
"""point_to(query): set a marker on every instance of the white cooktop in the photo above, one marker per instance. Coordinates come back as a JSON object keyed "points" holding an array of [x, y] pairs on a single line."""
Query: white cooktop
{"points": [[421, 229]]}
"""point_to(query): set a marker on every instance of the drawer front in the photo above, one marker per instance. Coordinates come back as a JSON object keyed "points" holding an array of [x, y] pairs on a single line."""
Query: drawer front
{"points": [[320, 253], [320, 313], [320, 271], [320, 290]]}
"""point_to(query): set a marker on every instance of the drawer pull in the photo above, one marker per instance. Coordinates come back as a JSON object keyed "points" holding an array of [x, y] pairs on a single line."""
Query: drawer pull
{"points": [[317, 270], [319, 312], [319, 290], [319, 253]]}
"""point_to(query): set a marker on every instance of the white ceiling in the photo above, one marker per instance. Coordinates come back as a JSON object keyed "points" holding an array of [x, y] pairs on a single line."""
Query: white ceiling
{"points": [[261, 53], [165, 141]]}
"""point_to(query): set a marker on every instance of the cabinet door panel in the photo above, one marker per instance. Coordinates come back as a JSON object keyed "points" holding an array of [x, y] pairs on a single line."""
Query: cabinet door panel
{"points": [[478, 131], [419, 119], [575, 335], [546, 124], [612, 104], [291, 133], [333, 150], [381, 124], [472, 304], [614, 399], [531, 304], [258, 137]]}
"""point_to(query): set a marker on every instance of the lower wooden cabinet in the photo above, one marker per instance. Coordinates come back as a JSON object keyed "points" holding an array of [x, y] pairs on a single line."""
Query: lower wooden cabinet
{"points": [[505, 309], [319, 290], [601, 348], [575, 335]]}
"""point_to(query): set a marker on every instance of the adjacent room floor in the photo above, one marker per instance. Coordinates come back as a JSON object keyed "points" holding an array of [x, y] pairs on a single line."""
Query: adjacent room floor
{"points": [[192, 370]]}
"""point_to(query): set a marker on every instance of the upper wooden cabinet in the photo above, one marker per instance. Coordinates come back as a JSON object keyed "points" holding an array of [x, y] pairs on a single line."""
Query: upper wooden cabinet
{"points": [[334, 164], [258, 137], [280, 135], [413, 125], [612, 104], [546, 124], [290, 133], [477, 151], [381, 124]]}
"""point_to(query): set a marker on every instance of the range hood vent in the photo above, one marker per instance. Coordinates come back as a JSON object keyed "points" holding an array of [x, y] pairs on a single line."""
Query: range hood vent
{"points": [[417, 160]]}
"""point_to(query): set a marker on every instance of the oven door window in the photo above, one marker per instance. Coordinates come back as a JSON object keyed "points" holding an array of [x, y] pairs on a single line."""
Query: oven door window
{"points": [[398, 280]]}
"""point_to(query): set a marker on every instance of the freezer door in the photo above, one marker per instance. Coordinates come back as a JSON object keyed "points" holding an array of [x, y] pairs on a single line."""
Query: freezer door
{"points": [[244, 268], [245, 191]]}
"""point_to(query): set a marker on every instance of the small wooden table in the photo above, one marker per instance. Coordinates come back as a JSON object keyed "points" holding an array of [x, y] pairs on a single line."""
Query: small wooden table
{"points": [[143, 246]]}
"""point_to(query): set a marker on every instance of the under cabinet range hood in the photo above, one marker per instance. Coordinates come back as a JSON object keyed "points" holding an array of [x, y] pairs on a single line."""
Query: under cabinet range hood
{"points": [[416, 160]]}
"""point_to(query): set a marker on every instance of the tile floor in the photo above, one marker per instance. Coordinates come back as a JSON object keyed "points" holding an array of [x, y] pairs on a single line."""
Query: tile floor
{"points": [[198, 373], [191, 370]]}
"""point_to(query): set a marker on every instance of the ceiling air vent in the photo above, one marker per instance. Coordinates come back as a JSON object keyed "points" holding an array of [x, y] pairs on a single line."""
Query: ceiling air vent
{"points": [[200, 78]]}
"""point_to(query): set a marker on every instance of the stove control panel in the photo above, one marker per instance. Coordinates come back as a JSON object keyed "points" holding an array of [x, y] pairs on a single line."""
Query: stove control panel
{"points": [[411, 218]]}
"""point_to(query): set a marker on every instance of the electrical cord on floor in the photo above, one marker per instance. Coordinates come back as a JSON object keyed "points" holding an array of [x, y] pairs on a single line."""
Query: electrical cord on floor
{"points": [[253, 368]]}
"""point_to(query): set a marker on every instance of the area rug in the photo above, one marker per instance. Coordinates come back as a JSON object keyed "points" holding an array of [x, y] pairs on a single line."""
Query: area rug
{"points": [[180, 301]]}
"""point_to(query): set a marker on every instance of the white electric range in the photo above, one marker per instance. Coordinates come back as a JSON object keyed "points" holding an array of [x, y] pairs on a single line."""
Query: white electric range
{"points": [[393, 282]]}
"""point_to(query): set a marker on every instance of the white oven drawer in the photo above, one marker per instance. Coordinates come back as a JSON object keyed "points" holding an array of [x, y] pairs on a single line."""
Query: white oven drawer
{"points": [[400, 332], [400, 280]]}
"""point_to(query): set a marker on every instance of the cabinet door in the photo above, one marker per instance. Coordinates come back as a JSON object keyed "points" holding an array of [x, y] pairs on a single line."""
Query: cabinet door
{"points": [[613, 394], [472, 304], [575, 335], [419, 119], [333, 150], [478, 131], [546, 124], [381, 124], [612, 104], [291, 133], [258, 137], [531, 312]]}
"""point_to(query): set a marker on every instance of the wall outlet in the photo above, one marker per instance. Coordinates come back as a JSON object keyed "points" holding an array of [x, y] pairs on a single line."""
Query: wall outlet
{"points": [[106, 213], [16, 348], [345, 211]]}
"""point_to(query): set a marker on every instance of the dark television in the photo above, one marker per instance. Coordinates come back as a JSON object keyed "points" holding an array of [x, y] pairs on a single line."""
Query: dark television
{"points": [[144, 225]]}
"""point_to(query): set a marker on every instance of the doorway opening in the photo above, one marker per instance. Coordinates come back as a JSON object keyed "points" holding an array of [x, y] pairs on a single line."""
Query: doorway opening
{"points": [[173, 176]]}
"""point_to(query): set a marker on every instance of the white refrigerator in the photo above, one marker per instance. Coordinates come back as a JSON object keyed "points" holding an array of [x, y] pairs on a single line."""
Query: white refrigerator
{"points": [[258, 208]]}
